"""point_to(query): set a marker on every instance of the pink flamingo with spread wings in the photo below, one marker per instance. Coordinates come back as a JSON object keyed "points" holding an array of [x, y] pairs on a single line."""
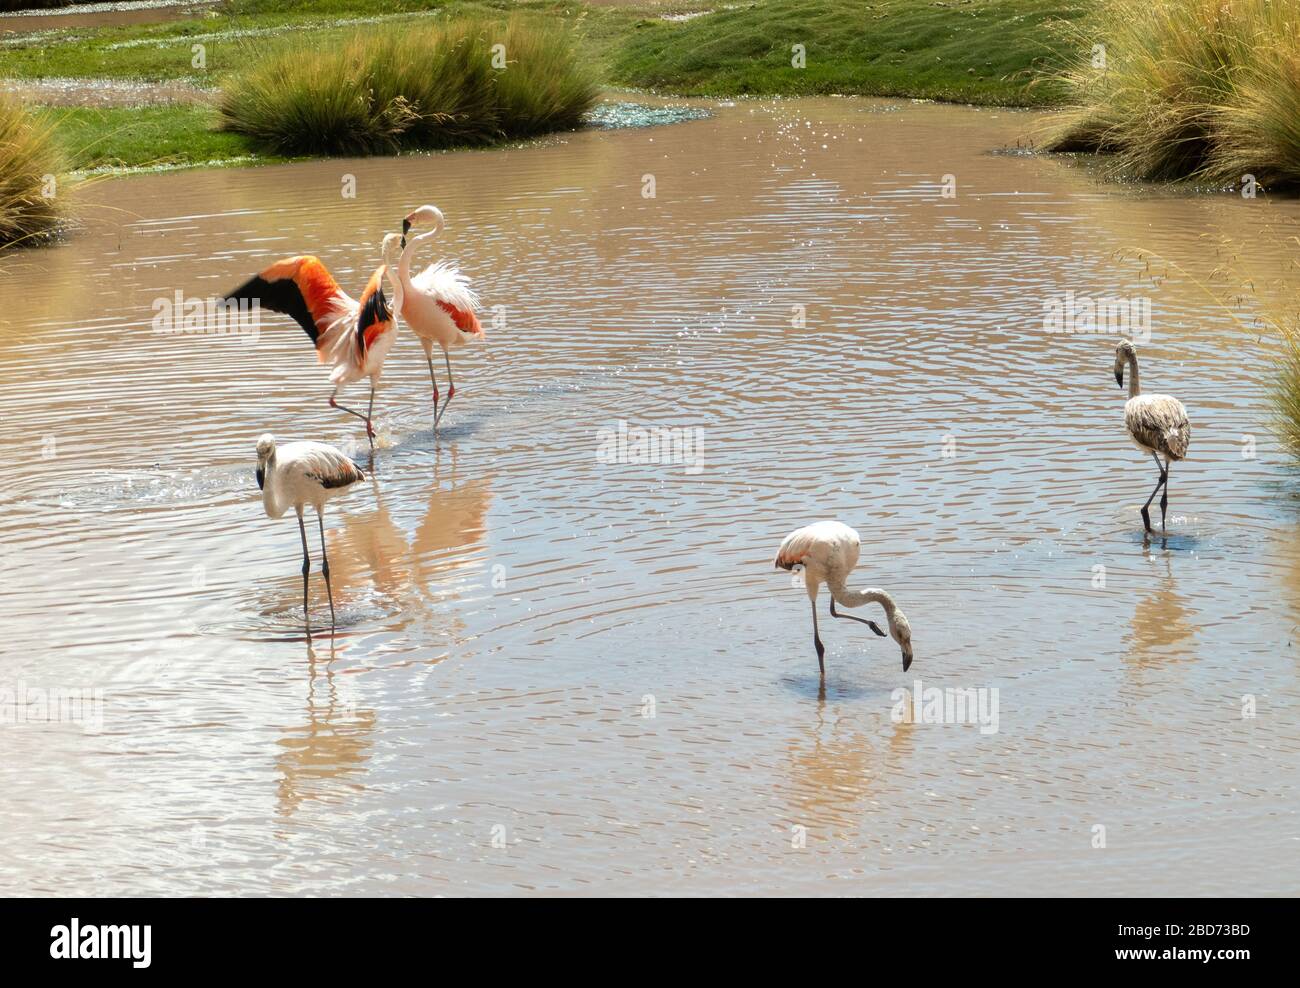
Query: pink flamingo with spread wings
{"points": [[352, 335]]}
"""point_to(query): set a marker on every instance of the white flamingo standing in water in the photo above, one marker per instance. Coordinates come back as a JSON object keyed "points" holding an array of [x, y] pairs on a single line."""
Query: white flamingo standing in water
{"points": [[828, 551], [1156, 423], [294, 475], [438, 303], [353, 335]]}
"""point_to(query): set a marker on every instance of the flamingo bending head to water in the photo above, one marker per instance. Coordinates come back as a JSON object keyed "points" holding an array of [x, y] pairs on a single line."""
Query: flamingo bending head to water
{"points": [[352, 335], [438, 303], [294, 475], [1157, 424], [828, 551]]}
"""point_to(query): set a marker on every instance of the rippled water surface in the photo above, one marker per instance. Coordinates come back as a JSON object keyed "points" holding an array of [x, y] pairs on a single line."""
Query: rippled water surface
{"points": [[557, 674]]}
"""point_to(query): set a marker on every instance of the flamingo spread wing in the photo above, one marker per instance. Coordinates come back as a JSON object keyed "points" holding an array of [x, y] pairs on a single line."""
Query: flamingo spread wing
{"points": [[300, 287], [342, 328]]}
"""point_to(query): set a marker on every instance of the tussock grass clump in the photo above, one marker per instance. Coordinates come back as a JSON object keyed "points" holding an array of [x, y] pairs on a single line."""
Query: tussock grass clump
{"points": [[386, 90], [28, 155], [1259, 132], [1284, 394], [1200, 89]]}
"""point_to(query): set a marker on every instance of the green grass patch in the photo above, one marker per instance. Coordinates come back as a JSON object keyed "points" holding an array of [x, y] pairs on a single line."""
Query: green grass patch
{"points": [[164, 51], [144, 137], [29, 157], [982, 51], [991, 52], [389, 89]]}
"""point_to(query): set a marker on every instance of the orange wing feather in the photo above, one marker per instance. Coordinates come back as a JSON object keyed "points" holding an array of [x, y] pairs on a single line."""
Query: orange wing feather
{"points": [[301, 287], [465, 320]]}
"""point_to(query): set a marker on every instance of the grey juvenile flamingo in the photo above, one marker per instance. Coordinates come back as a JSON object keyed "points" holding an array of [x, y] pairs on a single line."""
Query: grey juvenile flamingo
{"points": [[1156, 423]]}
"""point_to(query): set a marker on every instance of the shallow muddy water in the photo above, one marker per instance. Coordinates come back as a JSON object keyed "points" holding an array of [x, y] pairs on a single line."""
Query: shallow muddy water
{"points": [[554, 673], [101, 15], [105, 92]]}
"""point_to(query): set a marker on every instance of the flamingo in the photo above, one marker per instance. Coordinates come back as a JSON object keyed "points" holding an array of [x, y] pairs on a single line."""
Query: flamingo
{"points": [[352, 335], [1157, 424], [438, 303], [295, 475], [828, 551]]}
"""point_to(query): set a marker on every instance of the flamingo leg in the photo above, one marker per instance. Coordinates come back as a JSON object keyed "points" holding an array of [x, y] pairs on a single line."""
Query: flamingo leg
{"points": [[1164, 501], [370, 430], [451, 388], [817, 640], [870, 624], [306, 568], [325, 564], [1146, 514], [428, 356]]}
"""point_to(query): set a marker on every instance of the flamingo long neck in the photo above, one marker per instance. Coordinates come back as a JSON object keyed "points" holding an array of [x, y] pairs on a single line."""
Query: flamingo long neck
{"points": [[408, 255], [848, 597], [399, 290], [271, 487], [1134, 385]]}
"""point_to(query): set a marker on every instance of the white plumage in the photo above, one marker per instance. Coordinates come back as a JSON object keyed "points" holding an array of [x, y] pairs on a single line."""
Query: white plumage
{"points": [[1157, 424], [298, 474], [828, 552], [438, 303], [441, 281]]}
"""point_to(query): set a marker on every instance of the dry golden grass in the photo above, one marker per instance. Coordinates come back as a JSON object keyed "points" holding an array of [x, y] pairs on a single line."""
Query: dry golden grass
{"points": [[1207, 90], [28, 160]]}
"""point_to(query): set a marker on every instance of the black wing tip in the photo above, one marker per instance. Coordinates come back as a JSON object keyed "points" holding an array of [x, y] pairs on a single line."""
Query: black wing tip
{"points": [[376, 310], [282, 295], [254, 287]]}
